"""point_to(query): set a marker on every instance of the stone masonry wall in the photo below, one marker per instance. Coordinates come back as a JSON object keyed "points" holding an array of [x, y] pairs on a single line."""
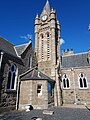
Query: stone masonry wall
{"points": [[74, 94], [26, 59], [7, 98], [28, 94], [45, 67]]}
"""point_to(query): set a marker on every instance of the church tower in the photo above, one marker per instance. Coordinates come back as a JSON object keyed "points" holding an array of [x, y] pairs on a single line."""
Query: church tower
{"points": [[47, 41]]}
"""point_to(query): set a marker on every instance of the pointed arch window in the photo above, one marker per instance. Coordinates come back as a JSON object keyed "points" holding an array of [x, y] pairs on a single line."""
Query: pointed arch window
{"points": [[66, 81], [82, 81], [12, 77]]}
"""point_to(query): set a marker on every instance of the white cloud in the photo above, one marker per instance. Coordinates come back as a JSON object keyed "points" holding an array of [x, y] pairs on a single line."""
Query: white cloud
{"points": [[27, 37], [24, 37], [62, 41]]}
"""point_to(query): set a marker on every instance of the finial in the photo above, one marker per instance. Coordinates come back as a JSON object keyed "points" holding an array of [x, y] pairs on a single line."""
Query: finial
{"points": [[89, 27], [52, 9], [47, 1], [37, 16], [29, 37], [57, 22]]}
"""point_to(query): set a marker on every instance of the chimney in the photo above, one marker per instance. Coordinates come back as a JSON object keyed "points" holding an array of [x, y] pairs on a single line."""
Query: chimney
{"points": [[64, 52], [68, 52]]}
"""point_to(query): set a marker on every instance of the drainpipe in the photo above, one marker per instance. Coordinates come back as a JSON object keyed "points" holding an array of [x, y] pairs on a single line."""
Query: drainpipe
{"points": [[18, 90], [73, 72], [58, 89], [1, 57]]}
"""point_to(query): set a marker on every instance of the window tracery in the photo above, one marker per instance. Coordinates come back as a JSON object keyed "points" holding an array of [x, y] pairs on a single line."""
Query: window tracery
{"points": [[66, 81], [82, 81], [12, 74]]}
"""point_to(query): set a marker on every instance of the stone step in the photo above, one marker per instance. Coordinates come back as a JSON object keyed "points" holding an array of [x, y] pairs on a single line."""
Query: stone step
{"points": [[47, 112], [39, 119]]}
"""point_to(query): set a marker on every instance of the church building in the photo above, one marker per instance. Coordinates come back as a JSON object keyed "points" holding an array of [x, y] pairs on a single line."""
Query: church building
{"points": [[41, 77]]}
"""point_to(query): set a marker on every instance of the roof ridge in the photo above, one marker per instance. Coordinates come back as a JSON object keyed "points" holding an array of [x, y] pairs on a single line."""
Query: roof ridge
{"points": [[27, 71], [21, 45], [7, 47], [74, 54], [25, 46], [44, 74]]}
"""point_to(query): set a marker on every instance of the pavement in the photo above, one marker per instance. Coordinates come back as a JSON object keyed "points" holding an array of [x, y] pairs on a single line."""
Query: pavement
{"points": [[60, 113]]}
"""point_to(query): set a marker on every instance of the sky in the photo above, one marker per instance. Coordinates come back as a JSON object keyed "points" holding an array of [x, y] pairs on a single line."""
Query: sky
{"points": [[17, 21]]}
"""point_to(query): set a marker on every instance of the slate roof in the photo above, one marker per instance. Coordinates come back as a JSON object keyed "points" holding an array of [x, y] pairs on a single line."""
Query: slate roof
{"points": [[76, 60], [35, 74], [21, 48], [7, 47]]}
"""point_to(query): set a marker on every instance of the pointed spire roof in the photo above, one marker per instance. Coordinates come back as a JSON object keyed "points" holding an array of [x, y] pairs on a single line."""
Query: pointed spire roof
{"points": [[47, 6]]}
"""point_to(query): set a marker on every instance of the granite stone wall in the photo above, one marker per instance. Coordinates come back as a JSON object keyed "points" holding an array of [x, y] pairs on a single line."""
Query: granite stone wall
{"points": [[26, 59], [29, 96], [7, 98], [74, 94]]}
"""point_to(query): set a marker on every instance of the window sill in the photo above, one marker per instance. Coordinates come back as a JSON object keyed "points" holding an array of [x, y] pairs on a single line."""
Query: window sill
{"points": [[83, 88], [66, 89], [10, 91]]}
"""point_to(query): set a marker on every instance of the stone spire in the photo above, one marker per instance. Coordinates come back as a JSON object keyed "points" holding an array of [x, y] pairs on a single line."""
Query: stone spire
{"points": [[47, 7]]}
